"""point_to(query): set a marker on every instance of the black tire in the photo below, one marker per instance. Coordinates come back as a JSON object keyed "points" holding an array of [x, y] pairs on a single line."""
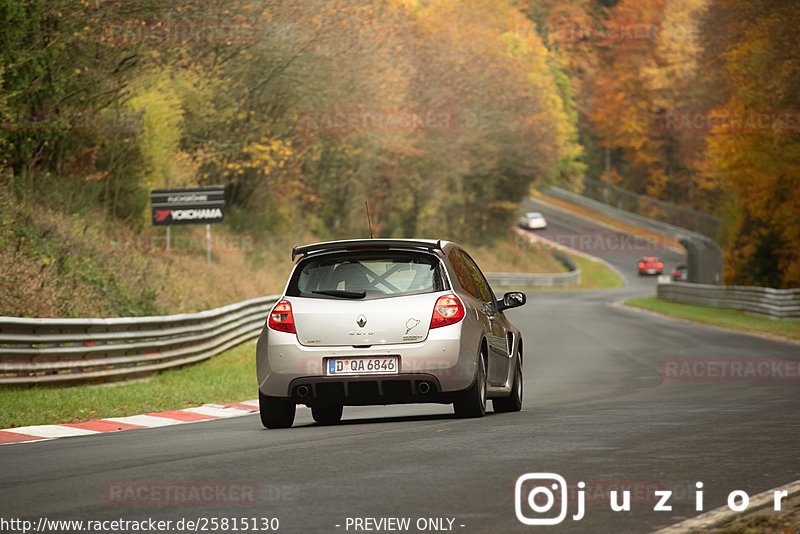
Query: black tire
{"points": [[472, 403], [327, 415], [512, 403], [276, 412]]}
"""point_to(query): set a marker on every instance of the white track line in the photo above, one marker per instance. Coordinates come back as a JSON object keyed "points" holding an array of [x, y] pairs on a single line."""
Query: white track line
{"points": [[148, 421], [51, 431], [218, 411]]}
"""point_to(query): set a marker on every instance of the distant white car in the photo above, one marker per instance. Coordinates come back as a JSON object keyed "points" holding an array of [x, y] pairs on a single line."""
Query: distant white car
{"points": [[533, 221]]}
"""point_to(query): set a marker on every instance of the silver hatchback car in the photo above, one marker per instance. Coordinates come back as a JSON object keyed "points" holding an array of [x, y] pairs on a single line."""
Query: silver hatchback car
{"points": [[387, 321]]}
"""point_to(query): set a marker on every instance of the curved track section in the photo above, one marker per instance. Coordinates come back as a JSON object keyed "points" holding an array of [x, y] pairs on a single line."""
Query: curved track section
{"points": [[597, 408]]}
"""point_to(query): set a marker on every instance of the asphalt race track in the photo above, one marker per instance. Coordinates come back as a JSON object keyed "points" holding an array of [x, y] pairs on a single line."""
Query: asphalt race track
{"points": [[596, 409]]}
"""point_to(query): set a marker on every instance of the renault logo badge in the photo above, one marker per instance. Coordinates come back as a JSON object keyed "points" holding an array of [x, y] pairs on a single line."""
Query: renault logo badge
{"points": [[361, 321]]}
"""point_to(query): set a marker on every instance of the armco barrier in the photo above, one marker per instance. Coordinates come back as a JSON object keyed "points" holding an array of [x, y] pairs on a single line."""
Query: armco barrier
{"points": [[570, 278], [534, 280], [653, 208], [763, 301], [64, 350], [704, 259]]}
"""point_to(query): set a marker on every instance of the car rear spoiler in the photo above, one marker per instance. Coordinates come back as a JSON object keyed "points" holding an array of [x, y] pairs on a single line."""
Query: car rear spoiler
{"points": [[366, 243]]}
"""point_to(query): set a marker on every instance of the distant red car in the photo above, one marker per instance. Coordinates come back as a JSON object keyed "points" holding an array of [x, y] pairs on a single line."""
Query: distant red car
{"points": [[650, 265]]}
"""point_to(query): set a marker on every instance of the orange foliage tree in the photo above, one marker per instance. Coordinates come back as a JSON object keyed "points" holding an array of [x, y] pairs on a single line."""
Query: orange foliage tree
{"points": [[750, 56]]}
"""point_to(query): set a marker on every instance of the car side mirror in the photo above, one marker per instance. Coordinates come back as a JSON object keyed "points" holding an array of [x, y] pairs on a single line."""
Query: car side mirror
{"points": [[512, 299]]}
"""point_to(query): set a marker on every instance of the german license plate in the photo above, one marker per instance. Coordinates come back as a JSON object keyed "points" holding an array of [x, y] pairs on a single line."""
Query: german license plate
{"points": [[381, 365]]}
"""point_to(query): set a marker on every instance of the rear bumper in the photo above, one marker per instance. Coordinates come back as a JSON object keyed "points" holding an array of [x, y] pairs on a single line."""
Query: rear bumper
{"points": [[534, 226], [650, 271], [444, 359], [368, 390]]}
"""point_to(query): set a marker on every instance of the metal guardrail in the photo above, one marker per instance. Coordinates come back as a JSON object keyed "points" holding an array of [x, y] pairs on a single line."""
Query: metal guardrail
{"points": [[570, 278], [762, 301], [63, 350], [653, 208], [705, 258], [534, 280]]}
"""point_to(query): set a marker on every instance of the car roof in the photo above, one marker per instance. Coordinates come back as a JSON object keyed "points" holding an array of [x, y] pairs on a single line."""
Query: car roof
{"points": [[349, 244]]}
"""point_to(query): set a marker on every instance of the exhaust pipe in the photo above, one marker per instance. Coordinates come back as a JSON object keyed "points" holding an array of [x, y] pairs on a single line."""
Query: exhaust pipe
{"points": [[302, 391], [423, 387]]}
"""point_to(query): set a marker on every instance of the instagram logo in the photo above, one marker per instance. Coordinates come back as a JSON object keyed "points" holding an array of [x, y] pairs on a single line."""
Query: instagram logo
{"points": [[538, 492]]}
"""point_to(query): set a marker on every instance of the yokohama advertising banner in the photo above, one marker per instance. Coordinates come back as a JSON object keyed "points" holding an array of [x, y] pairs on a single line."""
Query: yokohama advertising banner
{"points": [[197, 205]]}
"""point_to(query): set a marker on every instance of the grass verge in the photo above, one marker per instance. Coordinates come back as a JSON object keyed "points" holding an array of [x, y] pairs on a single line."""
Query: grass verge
{"points": [[229, 377], [512, 256], [723, 317], [763, 520], [594, 275], [761, 524], [56, 263]]}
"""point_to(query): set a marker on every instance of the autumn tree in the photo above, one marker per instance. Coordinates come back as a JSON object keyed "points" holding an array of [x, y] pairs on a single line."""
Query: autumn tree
{"points": [[750, 64]]}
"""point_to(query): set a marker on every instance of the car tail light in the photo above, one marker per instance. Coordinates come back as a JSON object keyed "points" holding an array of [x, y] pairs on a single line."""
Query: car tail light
{"points": [[676, 273], [447, 310], [660, 265], [280, 318], [641, 265]]}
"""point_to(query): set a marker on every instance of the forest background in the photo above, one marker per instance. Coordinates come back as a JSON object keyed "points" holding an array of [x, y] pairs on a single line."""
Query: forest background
{"points": [[443, 115]]}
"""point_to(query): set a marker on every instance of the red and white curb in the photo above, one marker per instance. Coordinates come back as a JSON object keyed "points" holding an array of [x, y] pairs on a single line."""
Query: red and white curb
{"points": [[205, 412]]}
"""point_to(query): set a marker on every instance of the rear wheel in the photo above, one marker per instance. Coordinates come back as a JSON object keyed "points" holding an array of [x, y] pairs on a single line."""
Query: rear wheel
{"points": [[327, 415], [513, 403], [276, 412], [472, 403]]}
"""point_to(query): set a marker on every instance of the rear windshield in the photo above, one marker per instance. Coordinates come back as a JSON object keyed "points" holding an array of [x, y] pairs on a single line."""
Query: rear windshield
{"points": [[367, 275]]}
